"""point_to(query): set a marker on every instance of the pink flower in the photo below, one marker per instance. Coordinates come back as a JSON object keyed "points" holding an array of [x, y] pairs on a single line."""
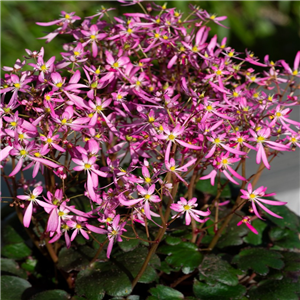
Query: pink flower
{"points": [[247, 220], [255, 197], [187, 207], [89, 165], [32, 197], [114, 233]]}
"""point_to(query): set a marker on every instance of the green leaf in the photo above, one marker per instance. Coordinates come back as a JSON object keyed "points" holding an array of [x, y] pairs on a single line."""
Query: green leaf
{"points": [[29, 264], [184, 255], [164, 267], [292, 264], [276, 289], [10, 266], [13, 245], [290, 219], [258, 259], [130, 244], [114, 277], [217, 291], [233, 235], [173, 240], [71, 259], [131, 297], [162, 292], [206, 187], [255, 239], [215, 268], [51, 295], [13, 287], [284, 238]]}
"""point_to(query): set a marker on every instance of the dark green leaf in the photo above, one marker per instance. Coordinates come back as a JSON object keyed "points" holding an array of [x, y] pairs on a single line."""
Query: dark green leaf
{"points": [[215, 268], [173, 240], [233, 235], [13, 245], [284, 238], [29, 264], [252, 238], [13, 287], [184, 255], [165, 293], [131, 297], [292, 265], [258, 259], [10, 266], [164, 267], [290, 219], [130, 244], [276, 289], [114, 277], [51, 295], [206, 187], [218, 291], [71, 259]]}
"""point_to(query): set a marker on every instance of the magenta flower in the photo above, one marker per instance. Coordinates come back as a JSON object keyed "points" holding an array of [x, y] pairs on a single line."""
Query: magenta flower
{"points": [[187, 207], [114, 233], [247, 220], [255, 198], [32, 197], [147, 196], [78, 224], [89, 165]]}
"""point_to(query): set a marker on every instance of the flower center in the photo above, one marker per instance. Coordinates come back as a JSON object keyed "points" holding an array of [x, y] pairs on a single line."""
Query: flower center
{"points": [[116, 65], [293, 140], [17, 85], [186, 207], [260, 139], [49, 141], [59, 84], [172, 168], [31, 197], [61, 213], [87, 166], [224, 161], [76, 53], [217, 141], [252, 196], [147, 180], [99, 108], [43, 68], [147, 196], [37, 154], [92, 36], [278, 114], [171, 137], [240, 140], [78, 226], [114, 232], [23, 152], [209, 108]]}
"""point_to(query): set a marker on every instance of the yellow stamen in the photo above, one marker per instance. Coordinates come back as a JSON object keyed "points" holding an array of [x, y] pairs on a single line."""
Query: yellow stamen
{"points": [[173, 168], [87, 166], [23, 152], [17, 85], [171, 137], [260, 139], [187, 207], [116, 65], [147, 179], [147, 197]]}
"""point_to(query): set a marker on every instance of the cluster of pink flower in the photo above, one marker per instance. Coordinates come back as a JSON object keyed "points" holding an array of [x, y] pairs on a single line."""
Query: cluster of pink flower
{"points": [[146, 92]]}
